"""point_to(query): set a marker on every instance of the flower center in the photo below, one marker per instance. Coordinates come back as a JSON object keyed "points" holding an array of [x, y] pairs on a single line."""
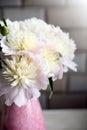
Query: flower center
{"points": [[20, 71], [52, 59]]}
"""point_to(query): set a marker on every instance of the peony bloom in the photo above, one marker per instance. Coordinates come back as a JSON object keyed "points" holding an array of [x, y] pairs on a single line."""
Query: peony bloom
{"points": [[25, 77], [38, 53], [52, 60], [19, 39], [57, 48], [38, 27], [58, 53]]}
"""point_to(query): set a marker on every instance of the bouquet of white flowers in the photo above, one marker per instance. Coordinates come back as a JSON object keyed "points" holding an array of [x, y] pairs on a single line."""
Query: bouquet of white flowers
{"points": [[34, 55]]}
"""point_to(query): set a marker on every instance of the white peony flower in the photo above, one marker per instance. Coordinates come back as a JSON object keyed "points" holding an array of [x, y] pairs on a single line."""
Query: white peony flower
{"points": [[37, 52], [19, 39], [25, 77]]}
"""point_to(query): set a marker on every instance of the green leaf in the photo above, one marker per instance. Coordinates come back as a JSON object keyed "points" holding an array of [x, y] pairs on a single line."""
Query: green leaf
{"points": [[4, 21], [60, 55], [0, 27], [3, 30], [51, 86]]}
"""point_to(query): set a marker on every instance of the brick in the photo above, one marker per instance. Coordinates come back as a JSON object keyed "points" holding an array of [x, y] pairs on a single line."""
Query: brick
{"points": [[67, 17], [44, 101], [80, 59], [77, 2], [67, 101], [78, 83], [24, 13], [44, 2], [0, 14], [10, 2], [80, 38], [60, 85]]}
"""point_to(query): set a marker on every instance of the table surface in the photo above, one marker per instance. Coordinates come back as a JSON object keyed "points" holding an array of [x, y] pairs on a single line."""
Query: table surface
{"points": [[66, 119]]}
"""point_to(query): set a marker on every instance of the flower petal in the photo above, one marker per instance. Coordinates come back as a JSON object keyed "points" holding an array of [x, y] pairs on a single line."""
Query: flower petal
{"points": [[21, 96], [6, 49], [69, 63]]}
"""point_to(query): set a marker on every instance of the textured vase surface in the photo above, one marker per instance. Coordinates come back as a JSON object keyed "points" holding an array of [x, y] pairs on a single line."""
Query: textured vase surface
{"points": [[28, 117]]}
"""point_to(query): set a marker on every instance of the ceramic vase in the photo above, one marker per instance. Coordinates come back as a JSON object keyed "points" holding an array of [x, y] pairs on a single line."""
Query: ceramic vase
{"points": [[28, 117]]}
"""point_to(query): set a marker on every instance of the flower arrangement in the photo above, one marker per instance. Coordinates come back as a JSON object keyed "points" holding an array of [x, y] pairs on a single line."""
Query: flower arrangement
{"points": [[34, 55]]}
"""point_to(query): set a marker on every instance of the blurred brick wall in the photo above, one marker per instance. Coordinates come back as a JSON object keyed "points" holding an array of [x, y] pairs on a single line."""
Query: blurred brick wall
{"points": [[71, 16]]}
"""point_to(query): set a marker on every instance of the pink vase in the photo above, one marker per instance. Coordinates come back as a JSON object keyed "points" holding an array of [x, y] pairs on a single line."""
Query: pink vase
{"points": [[28, 117]]}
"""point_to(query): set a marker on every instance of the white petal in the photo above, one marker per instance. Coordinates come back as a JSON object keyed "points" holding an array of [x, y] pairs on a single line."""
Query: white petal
{"points": [[69, 63], [33, 93], [5, 48], [11, 95], [16, 95], [21, 99]]}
